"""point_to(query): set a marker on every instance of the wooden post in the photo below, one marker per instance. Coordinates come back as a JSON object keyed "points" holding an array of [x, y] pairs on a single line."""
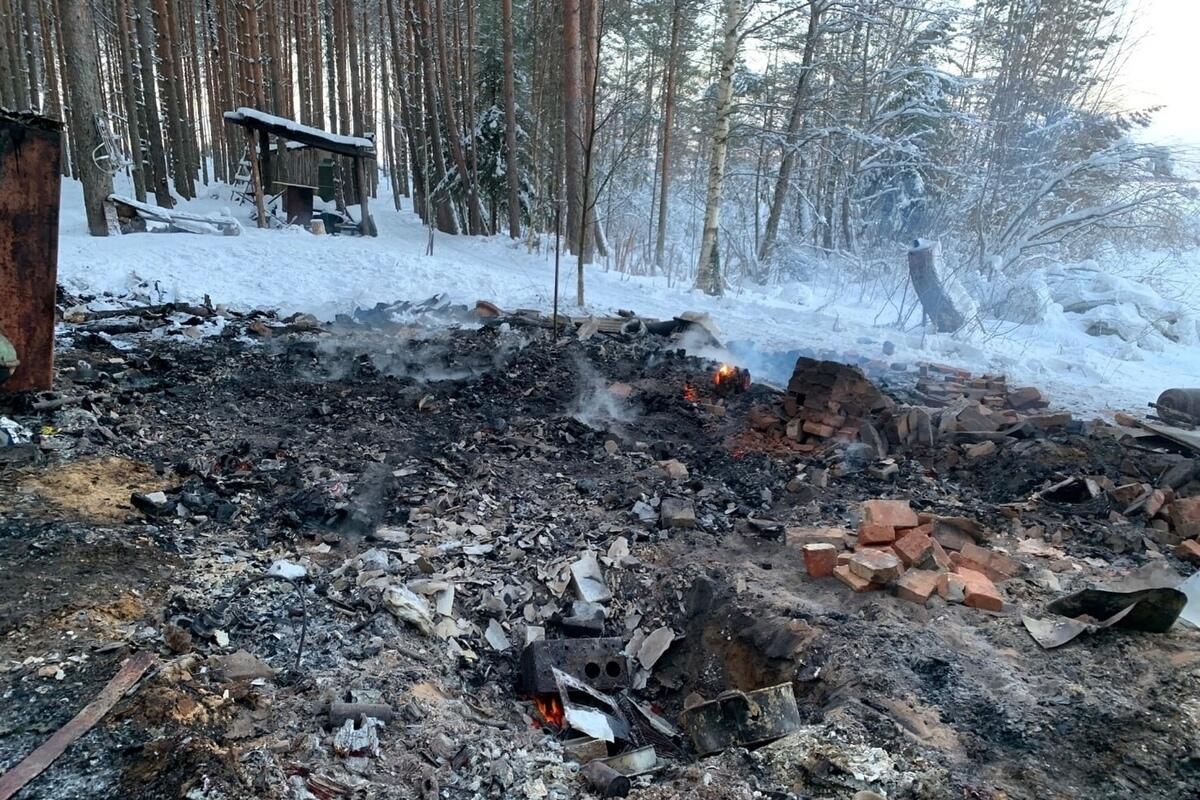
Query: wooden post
{"points": [[256, 181], [367, 225], [264, 147], [30, 181]]}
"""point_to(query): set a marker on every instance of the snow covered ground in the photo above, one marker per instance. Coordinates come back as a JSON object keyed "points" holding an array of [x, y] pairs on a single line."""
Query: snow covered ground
{"points": [[295, 271]]}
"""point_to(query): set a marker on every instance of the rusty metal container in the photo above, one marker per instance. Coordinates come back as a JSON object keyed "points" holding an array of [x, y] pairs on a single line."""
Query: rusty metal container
{"points": [[30, 154], [742, 719]]}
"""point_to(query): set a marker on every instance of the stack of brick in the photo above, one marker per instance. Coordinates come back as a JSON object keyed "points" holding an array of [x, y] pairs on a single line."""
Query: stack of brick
{"points": [[917, 556], [940, 385], [828, 401]]}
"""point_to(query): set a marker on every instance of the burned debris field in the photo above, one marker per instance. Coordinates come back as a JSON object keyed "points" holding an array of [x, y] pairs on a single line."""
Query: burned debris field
{"points": [[436, 552]]}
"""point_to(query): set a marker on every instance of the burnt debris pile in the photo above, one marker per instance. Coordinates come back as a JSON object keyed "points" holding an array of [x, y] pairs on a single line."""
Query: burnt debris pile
{"points": [[436, 551]]}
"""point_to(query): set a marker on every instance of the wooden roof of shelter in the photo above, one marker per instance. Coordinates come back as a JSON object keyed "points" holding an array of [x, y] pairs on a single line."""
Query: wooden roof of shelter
{"points": [[353, 146]]}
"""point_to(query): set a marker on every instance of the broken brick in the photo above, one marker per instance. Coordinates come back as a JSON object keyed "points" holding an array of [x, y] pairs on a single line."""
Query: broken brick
{"points": [[1189, 550], [940, 559], [876, 566], [820, 560], [995, 565], [817, 429], [952, 588], [872, 535], [894, 513], [917, 585], [855, 582], [974, 557], [1185, 517], [799, 537], [979, 591], [913, 549]]}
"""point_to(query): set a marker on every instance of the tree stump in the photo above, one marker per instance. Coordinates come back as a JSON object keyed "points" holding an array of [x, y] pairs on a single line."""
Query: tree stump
{"points": [[922, 269]]}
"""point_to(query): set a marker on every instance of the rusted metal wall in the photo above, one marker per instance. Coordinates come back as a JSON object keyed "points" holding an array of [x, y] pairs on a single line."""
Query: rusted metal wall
{"points": [[30, 151]]}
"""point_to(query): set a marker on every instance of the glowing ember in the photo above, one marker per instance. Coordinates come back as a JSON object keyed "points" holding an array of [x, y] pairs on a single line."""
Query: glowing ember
{"points": [[731, 380], [690, 393], [550, 709]]}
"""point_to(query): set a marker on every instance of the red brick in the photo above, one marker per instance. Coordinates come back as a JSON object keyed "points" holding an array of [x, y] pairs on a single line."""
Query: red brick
{"points": [[890, 512], [1155, 502], [858, 584], [995, 565], [871, 534], [1185, 517], [1189, 550], [917, 585], [913, 549], [940, 558], [975, 557], [876, 566], [820, 559], [817, 429], [1004, 566], [980, 591]]}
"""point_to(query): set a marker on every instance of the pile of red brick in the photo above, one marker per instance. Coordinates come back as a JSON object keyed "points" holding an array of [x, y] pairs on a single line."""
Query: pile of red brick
{"points": [[940, 385], [827, 401], [917, 555]]}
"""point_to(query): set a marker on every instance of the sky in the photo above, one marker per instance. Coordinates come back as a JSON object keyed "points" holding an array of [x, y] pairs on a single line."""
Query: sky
{"points": [[1162, 66]]}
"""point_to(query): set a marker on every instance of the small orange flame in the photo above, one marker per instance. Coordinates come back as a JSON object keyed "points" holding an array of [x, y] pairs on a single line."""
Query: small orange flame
{"points": [[724, 372], [550, 709], [690, 393]]}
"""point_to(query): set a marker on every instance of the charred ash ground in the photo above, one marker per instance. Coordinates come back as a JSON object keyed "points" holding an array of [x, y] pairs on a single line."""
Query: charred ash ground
{"points": [[403, 505]]}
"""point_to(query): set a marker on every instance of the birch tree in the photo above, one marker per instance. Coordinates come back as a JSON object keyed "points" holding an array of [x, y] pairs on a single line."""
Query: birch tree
{"points": [[708, 271]]}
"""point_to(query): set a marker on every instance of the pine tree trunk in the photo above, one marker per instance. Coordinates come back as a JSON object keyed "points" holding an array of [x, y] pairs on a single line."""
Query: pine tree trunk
{"points": [[356, 89], [423, 38], [708, 271], [660, 235], [29, 18], [345, 122], [572, 81], [130, 95], [513, 177], [794, 121], [144, 22], [171, 100], [83, 84], [331, 70], [475, 224]]}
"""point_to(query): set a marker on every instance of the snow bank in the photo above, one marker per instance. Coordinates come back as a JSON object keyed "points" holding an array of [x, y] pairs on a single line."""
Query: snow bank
{"points": [[324, 275]]}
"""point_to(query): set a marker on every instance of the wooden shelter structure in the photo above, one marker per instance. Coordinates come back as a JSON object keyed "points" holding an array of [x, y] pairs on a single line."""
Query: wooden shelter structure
{"points": [[359, 149]]}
